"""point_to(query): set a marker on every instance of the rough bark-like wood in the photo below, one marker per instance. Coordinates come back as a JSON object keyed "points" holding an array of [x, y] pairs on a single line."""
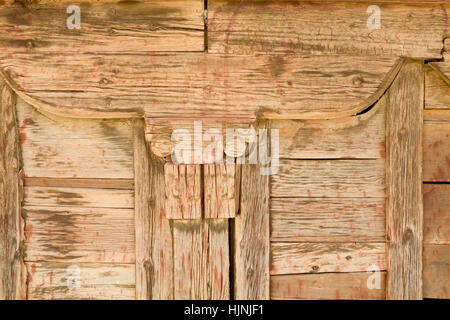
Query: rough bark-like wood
{"points": [[289, 258], [251, 236], [330, 220], [154, 255], [50, 280], [183, 189], [327, 286], [437, 89], [247, 27], [329, 178], [436, 271], [71, 234], [436, 213], [200, 85], [123, 27], [404, 183], [219, 193], [201, 259], [436, 152], [12, 268]]}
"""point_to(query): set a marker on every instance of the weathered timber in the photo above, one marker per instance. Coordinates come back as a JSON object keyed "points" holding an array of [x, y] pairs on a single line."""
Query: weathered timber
{"points": [[436, 213], [436, 271], [437, 88], [219, 190], [436, 152]]}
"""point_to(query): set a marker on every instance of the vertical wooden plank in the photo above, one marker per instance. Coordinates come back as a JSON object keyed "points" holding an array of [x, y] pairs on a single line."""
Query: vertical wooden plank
{"points": [[154, 258], [404, 183], [12, 267], [219, 190], [251, 236]]}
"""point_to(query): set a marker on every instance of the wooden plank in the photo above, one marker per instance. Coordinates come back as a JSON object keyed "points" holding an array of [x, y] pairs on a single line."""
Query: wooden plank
{"points": [[121, 27], [123, 184], [442, 67], [12, 268], [309, 257], [430, 116], [328, 220], [70, 234], [327, 286], [436, 213], [436, 153], [54, 147], [154, 254], [200, 85], [55, 280], [436, 271], [404, 183], [201, 259], [302, 27], [251, 236], [437, 89], [79, 197], [219, 193], [329, 179], [356, 137], [183, 187]]}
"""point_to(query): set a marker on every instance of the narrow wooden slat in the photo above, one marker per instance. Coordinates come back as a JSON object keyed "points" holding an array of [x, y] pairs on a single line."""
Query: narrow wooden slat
{"points": [[329, 178], [302, 27], [124, 184], [201, 262], [404, 183], [436, 213], [436, 115], [52, 280], [252, 236], [219, 193], [12, 268], [436, 271], [327, 286], [330, 220], [154, 254], [437, 89], [115, 27], [436, 152], [70, 234], [183, 187], [289, 258]]}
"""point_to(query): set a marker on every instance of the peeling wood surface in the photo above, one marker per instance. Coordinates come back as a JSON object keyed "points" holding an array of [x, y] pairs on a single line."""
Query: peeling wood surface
{"points": [[121, 27], [436, 213], [201, 259], [70, 234], [437, 89], [329, 178], [200, 85], [436, 152], [219, 190], [51, 280], [302, 27], [12, 268], [326, 286], [436, 271], [404, 183], [327, 219]]}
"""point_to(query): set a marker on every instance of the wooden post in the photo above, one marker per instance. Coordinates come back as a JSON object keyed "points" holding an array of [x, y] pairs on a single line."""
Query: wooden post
{"points": [[12, 267], [404, 124]]}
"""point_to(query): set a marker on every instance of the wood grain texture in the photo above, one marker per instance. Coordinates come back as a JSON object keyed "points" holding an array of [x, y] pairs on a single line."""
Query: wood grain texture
{"points": [[54, 147], [302, 27], [436, 271], [437, 89], [201, 259], [219, 190], [52, 280], [154, 254], [355, 137], [183, 188], [121, 27], [404, 183], [442, 67], [308, 257], [436, 152], [199, 85], [12, 268], [94, 183], [436, 213], [327, 219], [329, 178], [251, 236], [327, 286], [71, 234], [436, 116]]}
